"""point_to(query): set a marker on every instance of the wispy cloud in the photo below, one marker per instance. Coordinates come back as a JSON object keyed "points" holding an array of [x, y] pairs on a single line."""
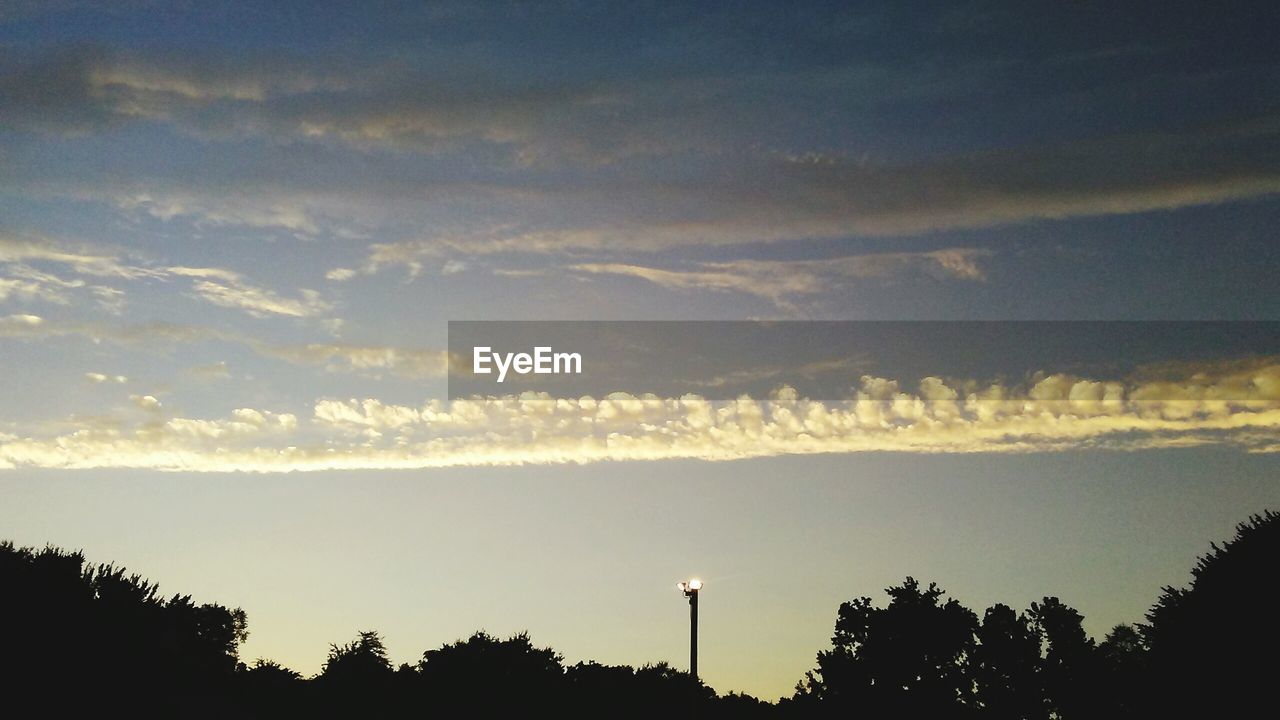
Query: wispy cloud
{"points": [[22, 280], [28, 289], [80, 259], [405, 362], [219, 286], [285, 211], [784, 281], [210, 372], [22, 325], [340, 274], [409, 362], [230, 289], [636, 167], [98, 378]]}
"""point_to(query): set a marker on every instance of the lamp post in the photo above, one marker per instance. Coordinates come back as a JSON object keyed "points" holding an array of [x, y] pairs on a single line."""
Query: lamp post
{"points": [[690, 590]]}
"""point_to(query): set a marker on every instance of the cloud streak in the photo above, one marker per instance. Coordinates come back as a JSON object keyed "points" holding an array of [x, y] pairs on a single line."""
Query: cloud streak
{"points": [[783, 281], [415, 363], [407, 362], [230, 290], [1058, 412], [218, 286], [632, 184]]}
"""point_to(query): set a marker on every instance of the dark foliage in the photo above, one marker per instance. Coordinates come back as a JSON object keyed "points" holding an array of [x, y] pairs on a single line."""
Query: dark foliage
{"points": [[908, 657], [1006, 666], [73, 631], [1213, 644], [82, 639]]}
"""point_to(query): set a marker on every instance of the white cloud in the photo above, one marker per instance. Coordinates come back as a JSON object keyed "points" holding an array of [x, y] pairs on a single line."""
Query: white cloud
{"points": [[368, 413], [1057, 412], [261, 302], [109, 299], [281, 212], [99, 378], [243, 423], [25, 283], [26, 290], [229, 289], [406, 362], [146, 402], [82, 260], [782, 281], [20, 325], [417, 363], [218, 286]]}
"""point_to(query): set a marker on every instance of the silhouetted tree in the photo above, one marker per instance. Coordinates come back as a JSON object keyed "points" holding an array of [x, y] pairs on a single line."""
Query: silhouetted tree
{"points": [[485, 672], [268, 689], [741, 705], [74, 636], [361, 662], [1212, 645], [270, 672], [907, 659], [357, 679], [1121, 665], [611, 690], [1005, 667], [1068, 668], [107, 632]]}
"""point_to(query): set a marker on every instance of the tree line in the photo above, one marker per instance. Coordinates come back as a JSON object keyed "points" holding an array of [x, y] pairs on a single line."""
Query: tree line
{"points": [[77, 637]]}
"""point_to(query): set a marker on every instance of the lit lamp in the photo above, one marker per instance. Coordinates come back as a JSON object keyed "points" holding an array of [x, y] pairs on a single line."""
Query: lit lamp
{"points": [[690, 590]]}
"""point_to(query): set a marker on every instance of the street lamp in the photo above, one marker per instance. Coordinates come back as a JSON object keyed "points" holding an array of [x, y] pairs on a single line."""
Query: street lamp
{"points": [[690, 590]]}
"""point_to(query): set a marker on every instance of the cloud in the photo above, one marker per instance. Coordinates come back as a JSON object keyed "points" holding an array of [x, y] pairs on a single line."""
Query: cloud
{"points": [[52, 93], [24, 283], [99, 378], [409, 362], [637, 163], [260, 302], [748, 198], [405, 362], [29, 290], [820, 368], [146, 402], [370, 414], [21, 280], [229, 289], [767, 198], [1057, 412], [782, 281], [218, 286], [279, 98], [282, 211], [111, 300], [243, 423], [211, 372], [82, 260], [21, 325]]}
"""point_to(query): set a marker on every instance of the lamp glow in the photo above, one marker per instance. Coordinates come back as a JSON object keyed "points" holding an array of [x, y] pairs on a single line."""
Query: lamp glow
{"points": [[690, 589]]}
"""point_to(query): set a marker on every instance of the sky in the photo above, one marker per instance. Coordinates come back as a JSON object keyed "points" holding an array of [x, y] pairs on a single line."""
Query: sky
{"points": [[232, 237]]}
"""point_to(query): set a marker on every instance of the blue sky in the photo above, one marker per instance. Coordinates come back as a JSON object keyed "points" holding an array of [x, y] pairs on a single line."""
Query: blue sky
{"points": [[231, 237]]}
